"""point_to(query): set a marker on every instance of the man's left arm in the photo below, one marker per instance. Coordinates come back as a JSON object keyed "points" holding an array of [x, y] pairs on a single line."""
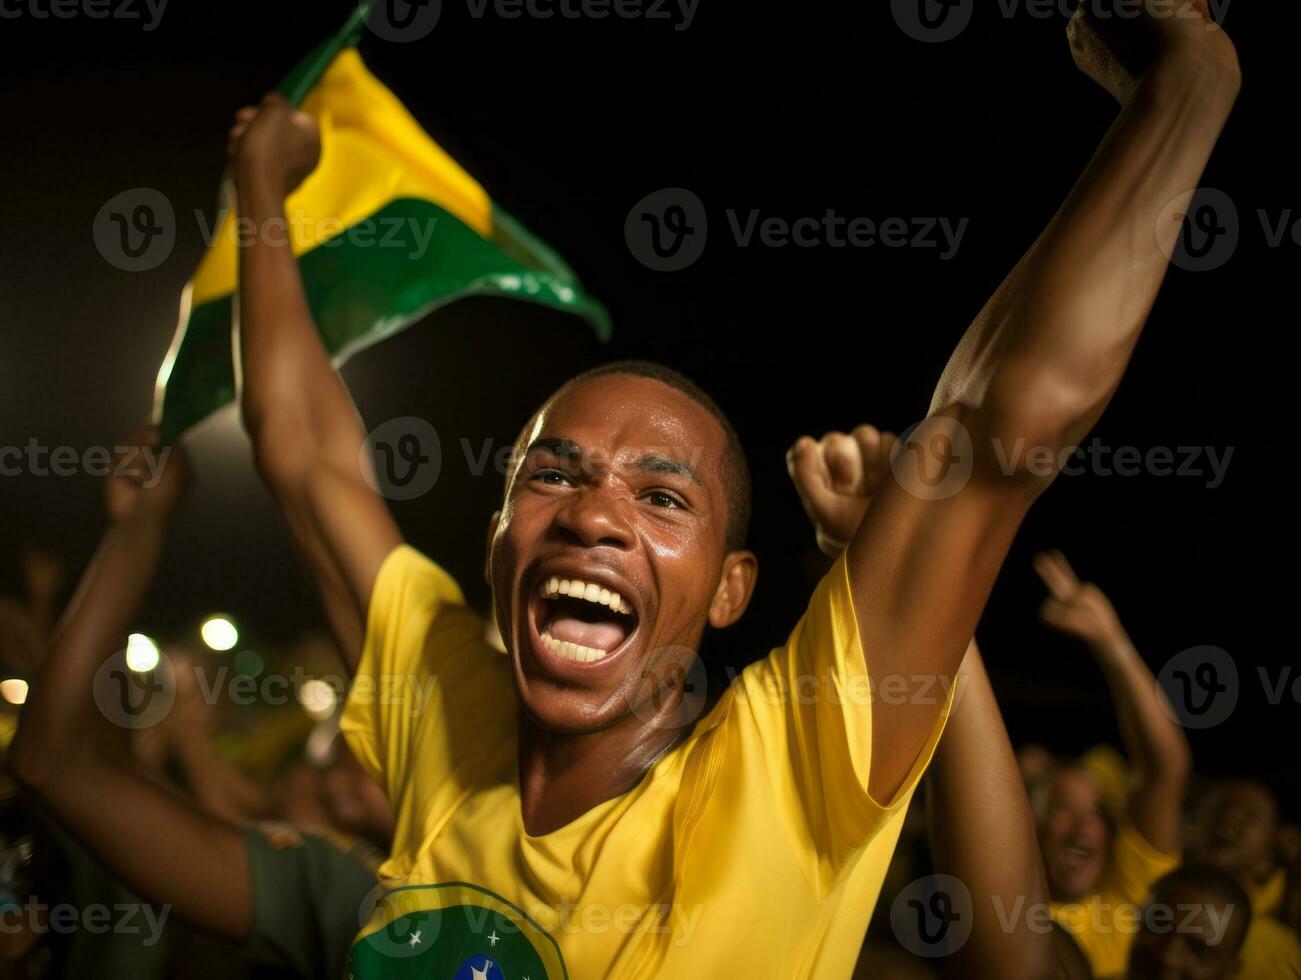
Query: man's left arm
{"points": [[1034, 371]]}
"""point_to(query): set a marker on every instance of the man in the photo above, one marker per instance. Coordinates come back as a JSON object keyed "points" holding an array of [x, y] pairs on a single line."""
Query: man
{"points": [[557, 811], [1240, 834], [1100, 873], [1192, 927], [290, 896]]}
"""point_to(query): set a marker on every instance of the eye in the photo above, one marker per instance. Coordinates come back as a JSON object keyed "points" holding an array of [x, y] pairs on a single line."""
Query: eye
{"points": [[551, 477], [662, 498]]}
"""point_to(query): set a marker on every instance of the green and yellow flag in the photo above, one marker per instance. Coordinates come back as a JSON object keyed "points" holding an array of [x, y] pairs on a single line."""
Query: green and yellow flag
{"points": [[386, 229]]}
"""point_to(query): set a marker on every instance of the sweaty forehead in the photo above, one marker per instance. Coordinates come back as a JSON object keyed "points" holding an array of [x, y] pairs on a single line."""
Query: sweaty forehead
{"points": [[620, 415]]}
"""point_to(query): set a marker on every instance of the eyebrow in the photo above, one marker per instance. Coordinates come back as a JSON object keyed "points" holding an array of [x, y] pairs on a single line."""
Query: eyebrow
{"points": [[557, 447], [651, 462], [655, 463]]}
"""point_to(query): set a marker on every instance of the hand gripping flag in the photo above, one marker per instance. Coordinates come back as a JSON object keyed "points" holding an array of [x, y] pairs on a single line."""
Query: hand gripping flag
{"points": [[386, 229]]}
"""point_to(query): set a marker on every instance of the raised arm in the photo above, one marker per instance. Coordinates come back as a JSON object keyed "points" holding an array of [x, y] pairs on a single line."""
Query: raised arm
{"points": [[982, 830], [1156, 747], [1036, 368], [983, 833], [78, 764], [307, 438]]}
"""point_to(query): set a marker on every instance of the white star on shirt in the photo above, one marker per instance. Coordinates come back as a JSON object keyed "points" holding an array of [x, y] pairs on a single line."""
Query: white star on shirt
{"points": [[415, 939], [493, 938]]}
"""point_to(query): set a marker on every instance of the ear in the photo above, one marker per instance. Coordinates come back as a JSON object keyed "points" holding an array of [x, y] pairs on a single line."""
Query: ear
{"points": [[487, 551], [735, 587]]}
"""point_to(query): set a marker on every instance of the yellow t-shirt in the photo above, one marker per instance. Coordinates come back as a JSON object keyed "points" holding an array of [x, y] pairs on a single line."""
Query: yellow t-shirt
{"points": [[752, 849], [1271, 949], [1104, 924]]}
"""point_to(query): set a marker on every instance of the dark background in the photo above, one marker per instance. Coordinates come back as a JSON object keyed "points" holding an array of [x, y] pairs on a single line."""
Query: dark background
{"points": [[789, 108]]}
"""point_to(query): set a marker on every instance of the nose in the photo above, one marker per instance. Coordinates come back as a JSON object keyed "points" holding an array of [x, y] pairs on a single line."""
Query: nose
{"points": [[595, 517]]}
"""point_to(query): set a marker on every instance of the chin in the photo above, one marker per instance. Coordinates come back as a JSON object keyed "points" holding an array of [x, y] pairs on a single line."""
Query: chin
{"points": [[1074, 884], [564, 709]]}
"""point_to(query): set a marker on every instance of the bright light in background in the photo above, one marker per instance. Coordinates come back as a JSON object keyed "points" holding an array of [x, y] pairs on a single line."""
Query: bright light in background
{"points": [[219, 633], [14, 690], [318, 698], [141, 653]]}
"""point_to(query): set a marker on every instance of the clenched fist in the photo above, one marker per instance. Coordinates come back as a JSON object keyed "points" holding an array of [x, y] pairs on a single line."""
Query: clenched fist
{"points": [[273, 144], [836, 478], [1116, 42]]}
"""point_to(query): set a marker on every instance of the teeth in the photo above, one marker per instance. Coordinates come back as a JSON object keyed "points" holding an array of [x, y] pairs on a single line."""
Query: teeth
{"points": [[571, 651], [588, 591]]}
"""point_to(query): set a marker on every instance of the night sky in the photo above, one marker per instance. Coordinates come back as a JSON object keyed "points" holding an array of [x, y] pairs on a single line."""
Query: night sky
{"points": [[789, 110]]}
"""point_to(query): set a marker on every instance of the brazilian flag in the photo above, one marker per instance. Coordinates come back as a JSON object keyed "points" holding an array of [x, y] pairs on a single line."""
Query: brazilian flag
{"points": [[454, 930], [386, 229]]}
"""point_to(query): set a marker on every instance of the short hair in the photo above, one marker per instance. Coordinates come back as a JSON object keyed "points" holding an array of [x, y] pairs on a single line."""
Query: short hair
{"points": [[1215, 881], [736, 468]]}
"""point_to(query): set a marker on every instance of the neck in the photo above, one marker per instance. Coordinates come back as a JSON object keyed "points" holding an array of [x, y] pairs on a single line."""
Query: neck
{"points": [[562, 776]]}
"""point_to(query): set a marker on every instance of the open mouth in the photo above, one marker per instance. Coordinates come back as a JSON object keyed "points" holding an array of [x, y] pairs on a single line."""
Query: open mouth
{"points": [[580, 621], [1076, 855]]}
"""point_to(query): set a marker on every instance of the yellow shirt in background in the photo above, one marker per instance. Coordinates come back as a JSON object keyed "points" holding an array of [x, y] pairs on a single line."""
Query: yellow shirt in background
{"points": [[1105, 923], [752, 849], [1271, 948]]}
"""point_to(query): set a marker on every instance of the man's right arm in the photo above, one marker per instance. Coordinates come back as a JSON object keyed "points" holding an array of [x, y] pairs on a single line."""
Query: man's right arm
{"points": [[308, 441]]}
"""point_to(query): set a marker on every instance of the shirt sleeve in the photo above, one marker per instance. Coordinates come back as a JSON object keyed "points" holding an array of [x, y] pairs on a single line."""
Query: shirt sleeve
{"points": [[420, 637], [1136, 864], [811, 701], [308, 897]]}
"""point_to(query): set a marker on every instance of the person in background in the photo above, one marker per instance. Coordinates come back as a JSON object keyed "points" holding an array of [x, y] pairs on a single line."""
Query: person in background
{"points": [[1241, 831], [292, 897], [1099, 872], [1193, 927]]}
